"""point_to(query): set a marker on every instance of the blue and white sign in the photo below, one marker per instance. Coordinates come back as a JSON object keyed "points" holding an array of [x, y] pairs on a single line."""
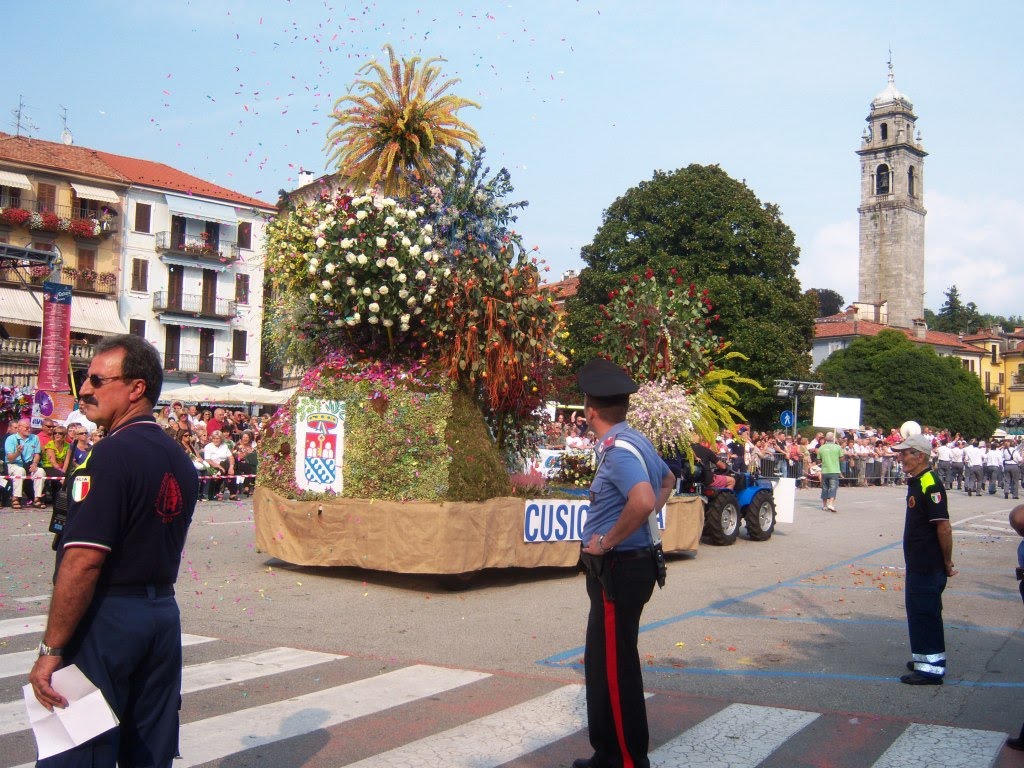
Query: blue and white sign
{"points": [[786, 419], [560, 519]]}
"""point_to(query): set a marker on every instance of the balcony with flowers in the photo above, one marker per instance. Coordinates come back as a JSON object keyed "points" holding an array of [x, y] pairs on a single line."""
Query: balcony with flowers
{"points": [[36, 217], [198, 247]]}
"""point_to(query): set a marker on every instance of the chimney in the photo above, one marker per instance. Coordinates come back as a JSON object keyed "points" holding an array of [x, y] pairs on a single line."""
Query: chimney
{"points": [[920, 329], [569, 274], [305, 177]]}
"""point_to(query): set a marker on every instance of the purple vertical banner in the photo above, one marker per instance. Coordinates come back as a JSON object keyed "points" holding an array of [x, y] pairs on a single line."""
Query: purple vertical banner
{"points": [[55, 346]]}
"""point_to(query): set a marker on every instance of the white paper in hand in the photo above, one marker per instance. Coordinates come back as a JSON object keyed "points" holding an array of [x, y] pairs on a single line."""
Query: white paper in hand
{"points": [[87, 714]]}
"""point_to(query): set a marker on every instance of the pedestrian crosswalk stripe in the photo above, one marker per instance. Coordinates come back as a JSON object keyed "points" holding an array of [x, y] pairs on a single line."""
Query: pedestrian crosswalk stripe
{"points": [[23, 626], [200, 677], [20, 662], [237, 669], [494, 739], [224, 735], [939, 746], [740, 736]]}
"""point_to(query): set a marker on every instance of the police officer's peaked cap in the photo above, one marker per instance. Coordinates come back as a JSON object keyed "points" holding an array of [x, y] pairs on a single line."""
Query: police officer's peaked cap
{"points": [[603, 378]]}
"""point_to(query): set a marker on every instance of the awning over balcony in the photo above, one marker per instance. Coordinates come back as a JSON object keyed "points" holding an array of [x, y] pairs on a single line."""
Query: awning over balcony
{"points": [[12, 179], [201, 209], [91, 315], [86, 192], [188, 321]]}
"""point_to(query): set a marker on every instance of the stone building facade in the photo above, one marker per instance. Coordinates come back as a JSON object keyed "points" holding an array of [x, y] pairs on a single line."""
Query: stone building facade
{"points": [[892, 213]]}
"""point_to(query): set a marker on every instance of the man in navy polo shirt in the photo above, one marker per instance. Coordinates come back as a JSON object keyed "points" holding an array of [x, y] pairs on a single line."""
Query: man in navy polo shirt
{"points": [[113, 611]]}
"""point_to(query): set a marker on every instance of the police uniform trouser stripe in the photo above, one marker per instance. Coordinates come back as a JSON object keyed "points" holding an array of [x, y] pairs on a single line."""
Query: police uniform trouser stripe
{"points": [[611, 660]]}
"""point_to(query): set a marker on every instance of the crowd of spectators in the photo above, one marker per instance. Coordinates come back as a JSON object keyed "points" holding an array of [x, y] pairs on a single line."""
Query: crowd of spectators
{"points": [[568, 430], [221, 444]]}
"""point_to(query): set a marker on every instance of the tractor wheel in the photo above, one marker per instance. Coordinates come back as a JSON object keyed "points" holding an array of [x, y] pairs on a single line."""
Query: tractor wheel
{"points": [[722, 519], [760, 516]]}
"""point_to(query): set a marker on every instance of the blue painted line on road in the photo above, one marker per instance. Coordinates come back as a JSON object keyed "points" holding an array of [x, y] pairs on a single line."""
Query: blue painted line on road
{"points": [[829, 620], [714, 609], [1011, 596]]}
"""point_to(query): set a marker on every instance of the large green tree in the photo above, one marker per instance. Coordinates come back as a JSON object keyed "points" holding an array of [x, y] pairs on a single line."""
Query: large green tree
{"points": [[957, 317], [829, 302], [898, 380], [714, 231]]}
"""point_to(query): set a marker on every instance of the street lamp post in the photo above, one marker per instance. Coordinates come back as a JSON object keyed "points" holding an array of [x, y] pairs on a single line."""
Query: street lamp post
{"points": [[787, 388]]}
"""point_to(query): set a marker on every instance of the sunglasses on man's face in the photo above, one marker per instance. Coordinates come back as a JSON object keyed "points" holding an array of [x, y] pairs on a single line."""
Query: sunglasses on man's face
{"points": [[96, 381]]}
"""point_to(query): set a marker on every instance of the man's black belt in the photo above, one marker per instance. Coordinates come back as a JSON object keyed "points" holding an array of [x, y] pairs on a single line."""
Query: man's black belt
{"points": [[136, 590], [629, 554]]}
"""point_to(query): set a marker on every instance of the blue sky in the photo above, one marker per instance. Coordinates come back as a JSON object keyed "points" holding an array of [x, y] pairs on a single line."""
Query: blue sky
{"points": [[580, 99]]}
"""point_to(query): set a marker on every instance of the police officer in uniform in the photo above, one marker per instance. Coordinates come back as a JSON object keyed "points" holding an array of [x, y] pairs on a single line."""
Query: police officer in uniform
{"points": [[622, 563], [928, 552], [113, 611]]}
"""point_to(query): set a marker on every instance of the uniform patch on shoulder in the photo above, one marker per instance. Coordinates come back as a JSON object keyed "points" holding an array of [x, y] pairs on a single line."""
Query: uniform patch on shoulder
{"points": [[169, 500], [80, 488], [936, 497], [912, 502], [608, 442]]}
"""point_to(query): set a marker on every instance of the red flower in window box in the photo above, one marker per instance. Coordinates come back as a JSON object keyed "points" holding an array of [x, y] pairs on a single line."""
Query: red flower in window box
{"points": [[14, 216]]}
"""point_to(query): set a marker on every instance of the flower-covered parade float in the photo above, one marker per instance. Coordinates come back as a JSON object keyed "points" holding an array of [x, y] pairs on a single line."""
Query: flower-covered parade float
{"points": [[428, 344]]}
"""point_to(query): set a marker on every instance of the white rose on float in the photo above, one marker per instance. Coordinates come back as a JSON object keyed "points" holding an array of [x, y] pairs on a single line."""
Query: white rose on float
{"points": [[391, 261], [311, 270], [329, 208], [355, 316], [350, 280], [421, 275], [427, 241], [388, 202], [411, 215], [350, 258], [418, 310], [329, 269], [351, 321], [382, 242], [352, 291], [367, 291], [447, 273], [426, 300], [312, 297], [428, 229], [360, 215], [404, 319], [339, 321], [361, 259], [372, 319], [387, 323], [390, 221], [321, 242], [383, 290], [380, 263], [412, 301], [374, 307], [350, 222], [346, 243], [406, 242], [414, 251], [314, 262], [401, 277], [420, 210], [326, 284]]}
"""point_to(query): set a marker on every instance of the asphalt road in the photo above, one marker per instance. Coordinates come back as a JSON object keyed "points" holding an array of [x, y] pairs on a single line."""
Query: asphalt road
{"points": [[812, 619]]}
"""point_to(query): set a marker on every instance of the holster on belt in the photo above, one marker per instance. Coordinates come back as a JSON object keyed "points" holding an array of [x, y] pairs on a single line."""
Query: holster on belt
{"points": [[600, 568]]}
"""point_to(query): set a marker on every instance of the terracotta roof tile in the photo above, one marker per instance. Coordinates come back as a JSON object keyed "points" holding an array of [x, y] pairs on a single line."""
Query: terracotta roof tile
{"points": [[563, 289], [833, 327], [118, 168]]}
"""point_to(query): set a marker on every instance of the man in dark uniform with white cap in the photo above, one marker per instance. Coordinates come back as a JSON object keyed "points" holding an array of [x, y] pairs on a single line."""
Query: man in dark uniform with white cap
{"points": [[623, 559], [928, 551]]}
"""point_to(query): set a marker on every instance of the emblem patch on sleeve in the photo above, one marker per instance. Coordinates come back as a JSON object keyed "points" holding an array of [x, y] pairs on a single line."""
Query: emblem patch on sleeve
{"points": [[936, 497], [80, 488]]}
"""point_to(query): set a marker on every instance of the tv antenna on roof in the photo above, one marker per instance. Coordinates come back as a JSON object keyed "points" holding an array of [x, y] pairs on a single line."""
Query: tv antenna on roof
{"points": [[21, 121], [66, 137]]}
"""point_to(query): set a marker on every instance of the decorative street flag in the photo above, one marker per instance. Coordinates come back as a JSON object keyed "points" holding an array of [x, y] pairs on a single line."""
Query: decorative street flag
{"points": [[319, 444], [55, 348]]}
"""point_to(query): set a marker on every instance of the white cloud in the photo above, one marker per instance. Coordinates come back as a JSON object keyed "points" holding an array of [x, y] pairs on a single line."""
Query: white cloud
{"points": [[972, 243], [831, 260], [975, 244]]}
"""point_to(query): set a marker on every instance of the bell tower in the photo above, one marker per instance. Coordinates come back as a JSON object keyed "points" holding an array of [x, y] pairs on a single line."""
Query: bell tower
{"points": [[891, 276]]}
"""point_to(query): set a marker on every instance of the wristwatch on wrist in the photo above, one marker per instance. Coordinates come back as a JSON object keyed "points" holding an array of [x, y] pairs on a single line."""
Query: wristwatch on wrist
{"points": [[46, 650], [600, 543]]}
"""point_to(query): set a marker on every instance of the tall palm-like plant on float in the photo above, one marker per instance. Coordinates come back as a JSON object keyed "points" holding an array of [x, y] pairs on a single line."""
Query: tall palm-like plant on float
{"points": [[402, 126]]}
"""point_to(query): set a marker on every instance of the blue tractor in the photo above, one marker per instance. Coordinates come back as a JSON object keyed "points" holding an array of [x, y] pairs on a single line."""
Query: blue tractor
{"points": [[751, 501]]}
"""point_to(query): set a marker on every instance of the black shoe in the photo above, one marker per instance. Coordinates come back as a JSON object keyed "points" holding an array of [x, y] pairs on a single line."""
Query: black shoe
{"points": [[910, 666], [1015, 743], [916, 678]]}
